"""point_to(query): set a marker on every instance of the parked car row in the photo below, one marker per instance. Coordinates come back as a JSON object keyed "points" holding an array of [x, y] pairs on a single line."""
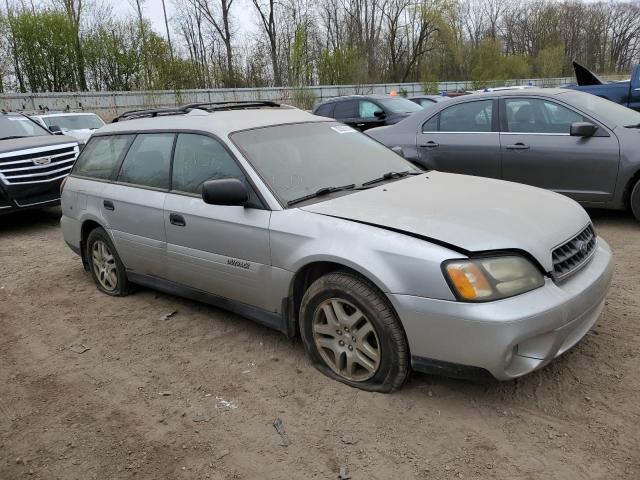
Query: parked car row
{"points": [[310, 227], [36, 153]]}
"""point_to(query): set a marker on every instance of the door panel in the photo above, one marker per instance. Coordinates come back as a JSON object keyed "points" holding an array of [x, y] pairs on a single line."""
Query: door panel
{"points": [[137, 224], [538, 150], [460, 139], [222, 250]]}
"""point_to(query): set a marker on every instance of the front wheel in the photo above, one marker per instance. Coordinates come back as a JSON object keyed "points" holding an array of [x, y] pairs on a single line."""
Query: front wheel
{"points": [[351, 333], [105, 265], [634, 201]]}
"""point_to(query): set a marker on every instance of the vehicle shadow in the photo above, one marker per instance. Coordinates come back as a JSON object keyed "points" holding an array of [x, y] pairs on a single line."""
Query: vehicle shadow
{"points": [[620, 218], [29, 221]]}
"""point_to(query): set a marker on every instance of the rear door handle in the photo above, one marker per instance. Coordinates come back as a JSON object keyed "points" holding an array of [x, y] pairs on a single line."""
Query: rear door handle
{"points": [[517, 146], [430, 144], [108, 205], [177, 220]]}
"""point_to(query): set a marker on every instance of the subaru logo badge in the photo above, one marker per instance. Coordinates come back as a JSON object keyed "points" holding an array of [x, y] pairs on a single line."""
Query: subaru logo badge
{"points": [[42, 161], [582, 246]]}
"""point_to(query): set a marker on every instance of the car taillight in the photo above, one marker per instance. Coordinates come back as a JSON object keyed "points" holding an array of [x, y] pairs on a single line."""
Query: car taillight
{"points": [[64, 180]]}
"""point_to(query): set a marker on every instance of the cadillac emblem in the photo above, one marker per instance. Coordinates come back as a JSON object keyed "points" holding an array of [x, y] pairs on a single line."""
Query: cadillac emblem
{"points": [[42, 161]]}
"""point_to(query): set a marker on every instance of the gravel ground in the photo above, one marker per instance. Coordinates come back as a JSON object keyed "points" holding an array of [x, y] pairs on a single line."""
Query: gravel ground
{"points": [[195, 396]]}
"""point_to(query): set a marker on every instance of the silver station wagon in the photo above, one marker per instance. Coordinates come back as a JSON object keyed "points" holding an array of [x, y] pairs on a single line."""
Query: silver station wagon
{"points": [[312, 228]]}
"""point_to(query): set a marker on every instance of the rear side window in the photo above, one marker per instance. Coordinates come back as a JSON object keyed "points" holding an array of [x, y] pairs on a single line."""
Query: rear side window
{"points": [[148, 161], [346, 109], [199, 158], [431, 125], [325, 110], [467, 117], [101, 155]]}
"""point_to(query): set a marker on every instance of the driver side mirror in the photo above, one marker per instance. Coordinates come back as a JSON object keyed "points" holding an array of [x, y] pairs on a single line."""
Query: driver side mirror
{"points": [[583, 129], [229, 191], [379, 114]]}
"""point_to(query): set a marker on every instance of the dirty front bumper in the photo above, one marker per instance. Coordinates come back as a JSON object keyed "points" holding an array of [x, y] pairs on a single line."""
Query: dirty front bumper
{"points": [[512, 337]]}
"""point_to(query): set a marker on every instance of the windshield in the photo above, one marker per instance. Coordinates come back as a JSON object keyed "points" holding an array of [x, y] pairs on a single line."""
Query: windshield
{"points": [[299, 159], [399, 105], [14, 126], [74, 122], [613, 113]]}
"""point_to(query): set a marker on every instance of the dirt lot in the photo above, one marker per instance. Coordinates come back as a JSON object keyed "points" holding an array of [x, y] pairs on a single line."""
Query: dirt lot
{"points": [[194, 396]]}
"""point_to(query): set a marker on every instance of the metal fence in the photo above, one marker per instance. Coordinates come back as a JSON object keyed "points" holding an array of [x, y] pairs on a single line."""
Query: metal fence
{"points": [[110, 104]]}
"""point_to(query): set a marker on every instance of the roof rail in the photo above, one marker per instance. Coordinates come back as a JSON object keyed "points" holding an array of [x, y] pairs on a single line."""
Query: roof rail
{"points": [[206, 106]]}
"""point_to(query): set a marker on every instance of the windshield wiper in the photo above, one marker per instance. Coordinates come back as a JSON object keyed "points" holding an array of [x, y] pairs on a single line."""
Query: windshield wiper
{"points": [[321, 192], [390, 175], [12, 136], [635, 125]]}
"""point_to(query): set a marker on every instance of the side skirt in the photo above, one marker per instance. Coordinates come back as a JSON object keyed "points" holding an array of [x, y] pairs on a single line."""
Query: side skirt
{"points": [[259, 315]]}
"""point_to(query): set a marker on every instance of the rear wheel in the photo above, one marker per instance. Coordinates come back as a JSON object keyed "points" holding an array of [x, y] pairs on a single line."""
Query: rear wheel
{"points": [[351, 333], [105, 265], [634, 201]]}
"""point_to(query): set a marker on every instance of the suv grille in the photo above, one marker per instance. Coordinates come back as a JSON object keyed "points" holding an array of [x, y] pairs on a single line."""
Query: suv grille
{"points": [[37, 165], [574, 254]]}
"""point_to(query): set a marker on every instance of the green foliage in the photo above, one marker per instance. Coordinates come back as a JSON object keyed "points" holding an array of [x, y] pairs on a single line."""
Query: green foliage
{"points": [[44, 47], [490, 66], [550, 62], [301, 64], [403, 92], [341, 66]]}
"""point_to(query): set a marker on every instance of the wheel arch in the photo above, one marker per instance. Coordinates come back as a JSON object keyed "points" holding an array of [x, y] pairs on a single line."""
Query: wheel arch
{"points": [[633, 180], [88, 225], [309, 273]]}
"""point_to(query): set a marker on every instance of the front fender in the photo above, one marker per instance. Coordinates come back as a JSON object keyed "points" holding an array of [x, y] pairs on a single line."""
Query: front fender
{"points": [[394, 262]]}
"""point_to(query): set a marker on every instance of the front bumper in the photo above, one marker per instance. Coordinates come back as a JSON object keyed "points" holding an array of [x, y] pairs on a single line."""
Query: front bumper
{"points": [[27, 196], [512, 337]]}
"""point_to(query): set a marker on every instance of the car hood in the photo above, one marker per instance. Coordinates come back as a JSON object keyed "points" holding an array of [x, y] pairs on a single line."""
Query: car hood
{"points": [[467, 213], [24, 143]]}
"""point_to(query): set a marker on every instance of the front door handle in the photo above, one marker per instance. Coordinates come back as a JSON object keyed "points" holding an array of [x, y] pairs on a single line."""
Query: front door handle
{"points": [[430, 144], [177, 220], [517, 146], [108, 205]]}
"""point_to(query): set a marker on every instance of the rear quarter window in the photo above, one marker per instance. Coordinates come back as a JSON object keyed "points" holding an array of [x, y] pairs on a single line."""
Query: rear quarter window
{"points": [[325, 110], [101, 155]]}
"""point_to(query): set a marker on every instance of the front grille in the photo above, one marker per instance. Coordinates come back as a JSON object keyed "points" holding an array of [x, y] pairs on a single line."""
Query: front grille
{"points": [[572, 255], [37, 165]]}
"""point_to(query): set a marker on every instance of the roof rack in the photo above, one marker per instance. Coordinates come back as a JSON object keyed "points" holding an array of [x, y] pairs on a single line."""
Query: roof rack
{"points": [[206, 106]]}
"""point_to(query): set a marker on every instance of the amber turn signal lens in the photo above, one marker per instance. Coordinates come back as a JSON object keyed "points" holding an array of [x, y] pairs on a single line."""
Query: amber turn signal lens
{"points": [[469, 280]]}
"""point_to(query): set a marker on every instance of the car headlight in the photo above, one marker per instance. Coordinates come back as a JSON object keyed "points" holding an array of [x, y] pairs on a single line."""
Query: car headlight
{"points": [[492, 278]]}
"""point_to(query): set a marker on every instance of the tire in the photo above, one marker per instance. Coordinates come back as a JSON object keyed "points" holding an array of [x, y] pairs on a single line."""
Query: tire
{"points": [[351, 333], [106, 268], [634, 200]]}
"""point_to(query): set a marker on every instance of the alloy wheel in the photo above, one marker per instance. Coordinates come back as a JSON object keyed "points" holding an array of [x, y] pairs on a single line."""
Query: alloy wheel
{"points": [[346, 340], [104, 265]]}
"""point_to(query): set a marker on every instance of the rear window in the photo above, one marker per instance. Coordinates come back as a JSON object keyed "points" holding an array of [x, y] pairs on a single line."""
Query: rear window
{"points": [[148, 162], [101, 155], [346, 109], [325, 110]]}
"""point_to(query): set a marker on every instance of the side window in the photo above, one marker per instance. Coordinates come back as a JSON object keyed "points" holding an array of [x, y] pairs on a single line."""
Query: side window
{"points": [[148, 161], [101, 155], [532, 115], [367, 109], [431, 125], [199, 158], [346, 109], [325, 110], [467, 117]]}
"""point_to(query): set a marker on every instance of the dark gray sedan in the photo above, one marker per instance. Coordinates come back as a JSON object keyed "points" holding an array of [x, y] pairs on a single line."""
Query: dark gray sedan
{"points": [[574, 143]]}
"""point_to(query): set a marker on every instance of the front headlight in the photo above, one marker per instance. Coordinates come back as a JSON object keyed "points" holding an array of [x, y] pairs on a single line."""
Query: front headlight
{"points": [[492, 278]]}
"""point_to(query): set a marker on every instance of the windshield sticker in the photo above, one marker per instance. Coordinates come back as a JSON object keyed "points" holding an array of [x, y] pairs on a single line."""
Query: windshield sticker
{"points": [[343, 129]]}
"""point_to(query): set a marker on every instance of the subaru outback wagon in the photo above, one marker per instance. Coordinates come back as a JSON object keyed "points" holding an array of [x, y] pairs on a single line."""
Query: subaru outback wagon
{"points": [[312, 228]]}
